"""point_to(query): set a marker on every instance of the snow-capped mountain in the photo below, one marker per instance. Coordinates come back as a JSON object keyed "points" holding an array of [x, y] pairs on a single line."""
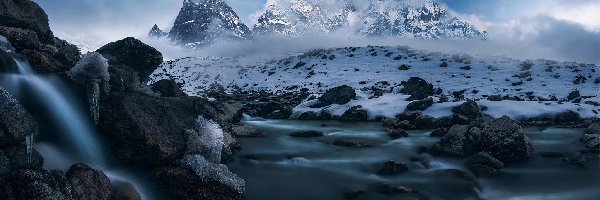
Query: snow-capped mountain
{"points": [[203, 21], [423, 19]]}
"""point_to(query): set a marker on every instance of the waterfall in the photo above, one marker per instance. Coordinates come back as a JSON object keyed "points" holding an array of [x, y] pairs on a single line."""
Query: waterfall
{"points": [[28, 86]]}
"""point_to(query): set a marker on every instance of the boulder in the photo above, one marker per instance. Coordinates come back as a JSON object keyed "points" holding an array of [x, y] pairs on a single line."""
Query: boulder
{"points": [[4, 164], [396, 133], [134, 53], [88, 183], [420, 104], [424, 122], [355, 114], [439, 132], [469, 110], [591, 141], [389, 122], [484, 158], [338, 95], [25, 14], [124, 191], [309, 115], [483, 170], [410, 116], [246, 131], [7, 63], [15, 122], [392, 168], [19, 159], [592, 129], [40, 184], [417, 88], [351, 143], [502, 138], [306, 134], [167, 88]]}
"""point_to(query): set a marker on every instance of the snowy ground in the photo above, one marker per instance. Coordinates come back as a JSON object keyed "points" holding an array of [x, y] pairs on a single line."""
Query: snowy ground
{"points": [[535, 81]]}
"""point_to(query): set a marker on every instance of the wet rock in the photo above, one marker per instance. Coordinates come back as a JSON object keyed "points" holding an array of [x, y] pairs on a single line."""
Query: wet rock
{"points": [[246, 131], [552, 154], [88, 183], [439, 132], [40, 184], [396, 133], [124, 191], [385, 188], [19, 158], [410, 116], [355, 114], [167, 88], [338, 95], [457, 179], [593, 129], [354, 193], [483, 170], [405, 124], [403, 189], [483, 158], [392, 168], [131, 52], [15, 121], [199, 180], [417, 88], [308, 116], [351, 143], [306, 134], [502, 138], [591, 141], [420, 104], [7, 64], [389, 122], [4, 164], [424, 122]]}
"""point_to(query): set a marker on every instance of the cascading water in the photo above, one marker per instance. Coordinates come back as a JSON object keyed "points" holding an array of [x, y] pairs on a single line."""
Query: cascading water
{"points": [[72, 123]]}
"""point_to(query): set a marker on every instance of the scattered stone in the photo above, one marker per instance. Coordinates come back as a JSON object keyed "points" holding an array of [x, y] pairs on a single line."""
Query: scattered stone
{"points": [[351, 143], [494, 97], [306, 134], [404, 67], [420, 105], [396, 133], [438, 132], [417, 88], [310, 115], [355, 114], [246, 131], [573, 95], [410, 116], [486, 159], [392, 168], [402, 189], [390, 122], [469, 109], [483, 170], [338, 95]]}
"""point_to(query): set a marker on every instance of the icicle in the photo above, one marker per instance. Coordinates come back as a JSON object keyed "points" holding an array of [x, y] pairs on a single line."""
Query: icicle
{"points": [[93, 99], [29, 143]]}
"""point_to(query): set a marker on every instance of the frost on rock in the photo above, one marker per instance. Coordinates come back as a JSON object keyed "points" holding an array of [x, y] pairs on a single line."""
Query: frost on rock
{"points": [[5, 44], [29, 142], [92, 73], [206, 140], [215, 172]]}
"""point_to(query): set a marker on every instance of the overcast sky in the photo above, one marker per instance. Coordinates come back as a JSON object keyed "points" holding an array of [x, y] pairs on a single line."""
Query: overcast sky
{"points": [[532, 20]]}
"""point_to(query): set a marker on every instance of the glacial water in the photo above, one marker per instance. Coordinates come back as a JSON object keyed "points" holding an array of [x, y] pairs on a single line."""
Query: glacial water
{"points": [[282, 167]]}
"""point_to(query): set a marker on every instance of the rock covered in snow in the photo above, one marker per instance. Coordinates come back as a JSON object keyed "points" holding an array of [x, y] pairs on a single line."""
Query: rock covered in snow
{"points": [[411, 19], [206, 140], [201, 22], [155, 32]]}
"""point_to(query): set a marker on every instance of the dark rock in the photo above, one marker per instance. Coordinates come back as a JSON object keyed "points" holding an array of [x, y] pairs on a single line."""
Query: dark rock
{"points": [[552, 154], [402, 189], [15, 122], [324, 115], [246, 131], [459, 179], [417, 88], [404, 67], [307, 134], [131, 52], [338, 95], [469, 109], [420, 104], [7, 63], [389, 122], [396, 133], [354, 193], [355, 114], [410, 116], [19, 158], [444, 122], [494, 98], [185, 183], [591, 141], [308, 116], [392, 168], [88, 183], [124, 191], [592, 129], [573, 95], [40, 184], [483, 158], [424, 122], [502, 138], [483, 170], [26, 15], [4, 164], [167, 88], [351, 143], [438, 132], [405, 124]]}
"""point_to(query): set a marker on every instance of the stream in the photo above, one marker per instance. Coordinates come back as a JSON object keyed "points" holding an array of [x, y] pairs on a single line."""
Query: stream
{"points": [[282, 167]]}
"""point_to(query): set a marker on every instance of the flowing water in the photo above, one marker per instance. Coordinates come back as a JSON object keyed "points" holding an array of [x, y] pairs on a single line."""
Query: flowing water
{"points": [[66, 134], [283, 167]]}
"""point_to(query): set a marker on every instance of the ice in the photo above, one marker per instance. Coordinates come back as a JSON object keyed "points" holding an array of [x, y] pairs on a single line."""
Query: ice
{"points": [[206, 140], [216, 172], [92, 72], [29, 142]]}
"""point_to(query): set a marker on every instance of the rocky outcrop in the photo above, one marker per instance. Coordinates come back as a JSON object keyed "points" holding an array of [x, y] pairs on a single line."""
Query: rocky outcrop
{"points": [[246, 131], [168, 88], [25, 25], [337, 95], [420, 104], [88, 183], [40, 184], [15, 122], [466, 112], [135, 54], [502, 138]]}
